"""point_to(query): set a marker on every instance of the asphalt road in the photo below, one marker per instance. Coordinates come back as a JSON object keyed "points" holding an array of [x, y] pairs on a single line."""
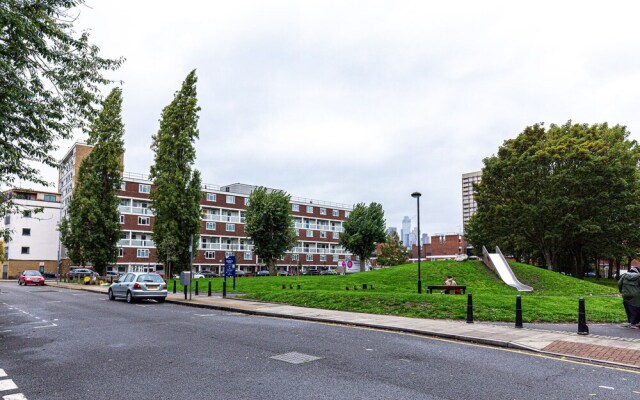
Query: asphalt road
{"points": [[65, 344]]}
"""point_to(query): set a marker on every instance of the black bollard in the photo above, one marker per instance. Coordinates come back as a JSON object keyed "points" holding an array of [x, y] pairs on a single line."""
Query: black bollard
{"points": [[197, 292], [469, 309], [209, 292], [284, 286], [298, 286], [185, 292], [518, 312], [224, 288], [346, 288], [364, 286], [174, 286], [583, 329]]}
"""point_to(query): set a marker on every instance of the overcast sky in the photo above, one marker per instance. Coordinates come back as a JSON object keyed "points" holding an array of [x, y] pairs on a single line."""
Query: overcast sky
{"points": [[362, 101]]}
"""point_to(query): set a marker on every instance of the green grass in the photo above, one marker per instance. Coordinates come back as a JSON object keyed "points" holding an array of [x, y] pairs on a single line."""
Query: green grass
{"points": [[554, 299]]}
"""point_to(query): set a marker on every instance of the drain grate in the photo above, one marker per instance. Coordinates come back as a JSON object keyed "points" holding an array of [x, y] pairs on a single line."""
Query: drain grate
{"points": [[295, 358]]}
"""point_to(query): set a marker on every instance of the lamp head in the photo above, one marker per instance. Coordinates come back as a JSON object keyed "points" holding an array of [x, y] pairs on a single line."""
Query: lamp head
{"points": [[416, 194]]}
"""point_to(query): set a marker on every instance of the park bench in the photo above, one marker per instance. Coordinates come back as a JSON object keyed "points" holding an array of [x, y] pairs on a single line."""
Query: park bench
{"points": [[451, 288]]}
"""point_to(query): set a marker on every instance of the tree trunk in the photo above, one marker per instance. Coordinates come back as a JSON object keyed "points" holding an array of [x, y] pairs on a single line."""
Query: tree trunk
{"points": [[362, 263]]}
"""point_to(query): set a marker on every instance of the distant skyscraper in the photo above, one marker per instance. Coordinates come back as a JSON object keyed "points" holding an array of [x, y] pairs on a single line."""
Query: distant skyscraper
{"points": [[406, 230], [392, 229], [413, 237], [425, 238], [469, 205]]}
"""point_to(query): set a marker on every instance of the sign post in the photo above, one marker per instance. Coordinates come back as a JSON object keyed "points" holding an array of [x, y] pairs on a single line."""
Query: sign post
{"points": [[229, 270]]}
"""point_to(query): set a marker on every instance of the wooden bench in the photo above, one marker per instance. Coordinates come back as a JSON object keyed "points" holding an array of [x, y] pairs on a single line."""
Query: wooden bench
{"points": [[452, 288]]}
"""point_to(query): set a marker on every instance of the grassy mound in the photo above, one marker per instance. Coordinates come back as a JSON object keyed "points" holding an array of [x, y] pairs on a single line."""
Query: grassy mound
{"points": [[554, 299]]}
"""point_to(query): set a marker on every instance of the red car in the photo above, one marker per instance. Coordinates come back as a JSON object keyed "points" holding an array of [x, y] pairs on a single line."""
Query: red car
{"points": [[30, 277]]}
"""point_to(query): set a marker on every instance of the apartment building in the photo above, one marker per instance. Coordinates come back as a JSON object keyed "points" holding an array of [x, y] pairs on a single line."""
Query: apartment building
{"points": [[469, 205], [34, 237], [442, 246], [318, 224]]}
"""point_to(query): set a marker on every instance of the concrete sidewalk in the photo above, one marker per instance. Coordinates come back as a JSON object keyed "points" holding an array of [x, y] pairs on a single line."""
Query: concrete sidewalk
{"points": [[616, 351]]}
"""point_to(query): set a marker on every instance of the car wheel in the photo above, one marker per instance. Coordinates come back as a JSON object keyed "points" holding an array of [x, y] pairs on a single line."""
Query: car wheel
{"points": [[111, 296], [161, 300], [130, 298]]}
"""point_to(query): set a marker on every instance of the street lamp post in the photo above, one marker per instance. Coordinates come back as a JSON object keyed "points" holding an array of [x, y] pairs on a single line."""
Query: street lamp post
{"points": [[417, 195]]}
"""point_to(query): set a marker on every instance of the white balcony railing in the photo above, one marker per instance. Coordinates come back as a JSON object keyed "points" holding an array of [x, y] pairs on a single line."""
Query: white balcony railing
{"points": [[135, 210], [223, 218], [136, 243], [320, 227]]}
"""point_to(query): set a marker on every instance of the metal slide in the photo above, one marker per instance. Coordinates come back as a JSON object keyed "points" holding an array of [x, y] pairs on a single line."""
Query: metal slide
{"points": [[499, 265]]}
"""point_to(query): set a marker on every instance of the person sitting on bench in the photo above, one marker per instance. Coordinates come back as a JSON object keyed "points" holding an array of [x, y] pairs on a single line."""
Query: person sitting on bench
{"points": [[449, 282]]}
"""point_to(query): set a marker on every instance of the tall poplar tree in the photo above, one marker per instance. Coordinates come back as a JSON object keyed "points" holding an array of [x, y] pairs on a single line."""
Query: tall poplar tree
{"points": [[92, 230], [177, 192]]}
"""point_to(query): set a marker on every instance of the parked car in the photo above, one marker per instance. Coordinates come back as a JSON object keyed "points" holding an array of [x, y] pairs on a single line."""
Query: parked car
{"points": [[30, 277], [81, 272], [328, 272], [198, 275], [240, 272], [135, 286], [311, 272], [263, 273], [111, 274], [208, 274], [284, 273]]}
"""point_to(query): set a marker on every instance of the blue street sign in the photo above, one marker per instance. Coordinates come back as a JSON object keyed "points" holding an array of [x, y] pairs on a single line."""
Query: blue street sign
{"points": [[230, 266]]}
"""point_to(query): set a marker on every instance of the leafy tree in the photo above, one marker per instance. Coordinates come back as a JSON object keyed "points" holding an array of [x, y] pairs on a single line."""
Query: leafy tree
{"points": [[270, 225], [93, 230], [362, 230], [2, 251], [562, 195], [393, 252], [176, 193], [49, 85]]}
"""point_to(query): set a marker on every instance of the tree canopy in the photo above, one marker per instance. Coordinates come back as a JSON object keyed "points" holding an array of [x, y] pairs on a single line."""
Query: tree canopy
{"points": [[362, 230], [393, 252], [92, 230], [561, 195], [270, 225], [50, 80], [176, 193]]}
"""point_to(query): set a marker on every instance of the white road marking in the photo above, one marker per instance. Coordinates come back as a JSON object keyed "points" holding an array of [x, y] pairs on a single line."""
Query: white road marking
{"points": [[17, 396], [56, 301], [2, 373], [205, 315], [8, 330], [78, 294], [606, 387], [45, 326], [7, 384]]}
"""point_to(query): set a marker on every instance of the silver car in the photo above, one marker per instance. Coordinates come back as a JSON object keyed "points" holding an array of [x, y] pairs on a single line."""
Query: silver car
{"points": [[134, 286]]}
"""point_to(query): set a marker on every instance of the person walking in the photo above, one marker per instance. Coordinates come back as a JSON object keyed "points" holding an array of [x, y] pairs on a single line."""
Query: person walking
{"points": [[629, 286]]}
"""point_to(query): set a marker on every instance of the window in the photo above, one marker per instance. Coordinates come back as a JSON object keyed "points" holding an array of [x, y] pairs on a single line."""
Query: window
{"points": [[7, 220], [323, 258], [49, 197], [26, 231], [323, 211], [143, 253], [336, 213], [295, 257], [346, 214], [144, 188], [123, 186], [295, 207], [231, 227], [231, 199], [309, 233], [336, 235], [310, 209], [210, 226], [228, 254], [121, 219], [24, 250], [309, 257], [248, 255], [209, 255], [246, 201], [211, 197], [120, 252], [144, 220], [323, 235], [26, 214]]}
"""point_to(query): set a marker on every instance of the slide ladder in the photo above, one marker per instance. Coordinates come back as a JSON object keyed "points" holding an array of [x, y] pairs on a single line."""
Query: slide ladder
{"points": [[499, 265]]}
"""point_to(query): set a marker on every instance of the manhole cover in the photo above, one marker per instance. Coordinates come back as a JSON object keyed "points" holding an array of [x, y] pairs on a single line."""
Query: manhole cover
{"points": [[295, 358]]}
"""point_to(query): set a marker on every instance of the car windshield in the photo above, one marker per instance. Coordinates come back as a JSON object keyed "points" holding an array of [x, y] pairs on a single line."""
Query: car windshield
{"points": [[31, 273], [150, 278]]}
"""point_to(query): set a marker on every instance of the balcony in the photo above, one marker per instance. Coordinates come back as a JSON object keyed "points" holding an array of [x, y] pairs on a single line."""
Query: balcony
{"points": [[136, 243], [320, 227], [223, 218], [226, 247], [135, 210]]}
